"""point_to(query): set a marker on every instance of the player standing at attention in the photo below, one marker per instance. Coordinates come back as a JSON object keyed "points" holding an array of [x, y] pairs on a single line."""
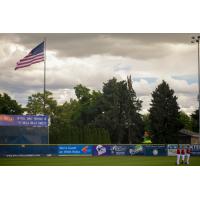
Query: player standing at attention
{"points": [[183, 154], [178, 153], [188, 152]]}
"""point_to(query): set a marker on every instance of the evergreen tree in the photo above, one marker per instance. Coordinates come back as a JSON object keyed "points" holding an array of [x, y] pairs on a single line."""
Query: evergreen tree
{"points": [[120, 112], [133, 117], [195, 121], [146, 122], [164, 114], [113, 116]]}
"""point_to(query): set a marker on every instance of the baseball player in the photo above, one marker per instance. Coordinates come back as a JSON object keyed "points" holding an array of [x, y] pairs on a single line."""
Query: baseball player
{"points": [[188, 152], [183, 154], [178, 154]]}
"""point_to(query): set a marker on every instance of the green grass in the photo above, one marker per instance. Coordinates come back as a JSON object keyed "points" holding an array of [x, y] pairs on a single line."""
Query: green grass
{"points": [[95, 161]]}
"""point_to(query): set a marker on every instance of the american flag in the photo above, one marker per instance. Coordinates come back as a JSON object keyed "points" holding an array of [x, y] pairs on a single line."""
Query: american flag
{"points": [[35, 56]]}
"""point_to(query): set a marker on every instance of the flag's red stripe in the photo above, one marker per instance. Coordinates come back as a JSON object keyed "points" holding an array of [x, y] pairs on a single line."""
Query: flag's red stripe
{"points": [[30, 61], [22, 66], [30, 57]]}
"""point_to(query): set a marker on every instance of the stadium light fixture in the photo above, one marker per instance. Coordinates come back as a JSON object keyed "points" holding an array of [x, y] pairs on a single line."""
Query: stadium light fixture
{"points": [[196, 39]]}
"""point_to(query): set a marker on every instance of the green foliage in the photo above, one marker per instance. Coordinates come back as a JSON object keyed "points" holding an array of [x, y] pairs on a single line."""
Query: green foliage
{"points": [[119, 112], [9, 106], [87, 106], [75, 135], [185, 121], [82, 93], [110, 116], [134, 121], [195, 121], [164, 114], [35, 104], [146, 122]]}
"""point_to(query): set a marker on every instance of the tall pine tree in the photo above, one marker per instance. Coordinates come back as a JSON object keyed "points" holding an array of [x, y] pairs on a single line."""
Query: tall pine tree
{"points": [[164, 114]]}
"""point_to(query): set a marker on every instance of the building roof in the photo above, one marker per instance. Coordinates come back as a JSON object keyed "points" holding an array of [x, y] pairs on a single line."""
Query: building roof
{"points": [[189, 133]]}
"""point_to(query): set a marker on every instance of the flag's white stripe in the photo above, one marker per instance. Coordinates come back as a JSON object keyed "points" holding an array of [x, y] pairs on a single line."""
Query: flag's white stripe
{"points": [[26, 62], [27, 65], [30, 57], [31, 62]]}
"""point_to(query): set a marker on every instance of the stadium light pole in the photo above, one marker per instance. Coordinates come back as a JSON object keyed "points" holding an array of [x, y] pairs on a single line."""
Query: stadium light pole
{"points": [[196, 40]]}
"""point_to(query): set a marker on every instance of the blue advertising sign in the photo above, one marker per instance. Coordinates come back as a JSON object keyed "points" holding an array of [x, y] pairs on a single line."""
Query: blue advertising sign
{"points": [[74, 150], [137, 149], [24, 120], [155, 150], [120, 150], [28, 150], [101, 150], [195, 150], [117, 150]]}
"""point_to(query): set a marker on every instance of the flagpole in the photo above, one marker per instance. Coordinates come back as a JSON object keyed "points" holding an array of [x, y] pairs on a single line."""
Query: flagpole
{"points": [[44, 75]]}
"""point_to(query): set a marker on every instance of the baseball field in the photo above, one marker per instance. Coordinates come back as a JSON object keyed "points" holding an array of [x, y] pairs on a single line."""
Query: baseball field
{"points": [[96, 161]]}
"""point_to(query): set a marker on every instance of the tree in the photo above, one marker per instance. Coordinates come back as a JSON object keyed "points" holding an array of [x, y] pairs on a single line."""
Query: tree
{"points": [[134, 119], [82, 93], [164, 114], [74, 135], [195, 121], [65, 112], [9, 106], [35, 104], [87, 108], [185, 121], [146, 122], [119, 111], [112, 115]]}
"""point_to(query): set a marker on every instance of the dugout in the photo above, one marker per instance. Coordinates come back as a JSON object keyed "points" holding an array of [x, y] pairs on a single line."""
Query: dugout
{"points": [[24, 129]]}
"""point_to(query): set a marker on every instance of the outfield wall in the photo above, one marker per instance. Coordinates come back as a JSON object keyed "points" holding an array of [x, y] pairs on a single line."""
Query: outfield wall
{"points": [[92, 150], [171, 149]]}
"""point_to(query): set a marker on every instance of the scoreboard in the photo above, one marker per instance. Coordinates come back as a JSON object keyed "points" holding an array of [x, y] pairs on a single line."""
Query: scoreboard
{"points": [[24, 129]]}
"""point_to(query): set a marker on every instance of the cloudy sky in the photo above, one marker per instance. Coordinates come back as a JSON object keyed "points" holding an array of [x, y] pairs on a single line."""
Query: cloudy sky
{"points": [[91, 59]]}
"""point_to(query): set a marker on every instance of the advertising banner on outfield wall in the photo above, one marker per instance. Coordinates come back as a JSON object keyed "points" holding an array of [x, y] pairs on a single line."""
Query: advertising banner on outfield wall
{"points": [[126, 150], [136, 149], [171, 149], [24, 120], [64, 150], [155, 150], [101, 150], [44, 150], [195, 150], [28, 150], [117, 150]]}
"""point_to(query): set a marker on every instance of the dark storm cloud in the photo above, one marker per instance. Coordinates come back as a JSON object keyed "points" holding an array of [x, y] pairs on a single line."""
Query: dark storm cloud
{"points": [[138, 46]]}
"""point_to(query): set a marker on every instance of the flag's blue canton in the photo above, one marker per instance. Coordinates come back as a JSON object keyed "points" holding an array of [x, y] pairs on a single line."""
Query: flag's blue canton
{"points": [[38, 49]]}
